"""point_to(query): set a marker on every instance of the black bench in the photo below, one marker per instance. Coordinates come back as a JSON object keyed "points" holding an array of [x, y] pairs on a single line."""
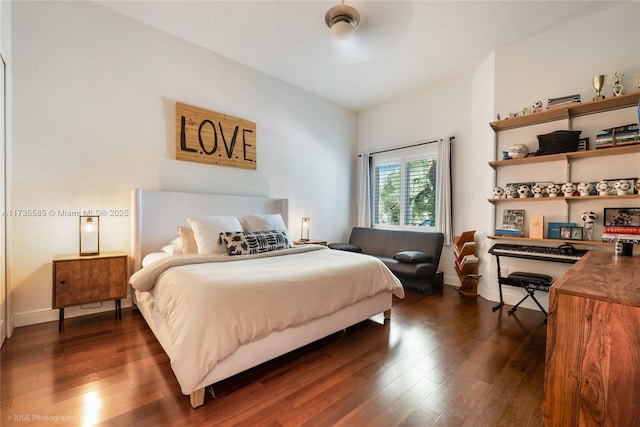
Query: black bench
{"points": [[530, 282]]}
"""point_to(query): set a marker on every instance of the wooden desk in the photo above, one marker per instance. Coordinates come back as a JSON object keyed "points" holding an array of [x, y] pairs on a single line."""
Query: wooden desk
{"points": [[592, 371]]}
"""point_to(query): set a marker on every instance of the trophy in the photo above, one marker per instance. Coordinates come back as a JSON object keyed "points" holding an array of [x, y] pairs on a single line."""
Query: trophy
{"points": [[617, 84], [597, 83]]}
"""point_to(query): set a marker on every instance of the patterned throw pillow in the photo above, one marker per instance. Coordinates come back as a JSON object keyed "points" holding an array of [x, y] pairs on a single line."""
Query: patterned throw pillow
{"points": [[254, 242]]}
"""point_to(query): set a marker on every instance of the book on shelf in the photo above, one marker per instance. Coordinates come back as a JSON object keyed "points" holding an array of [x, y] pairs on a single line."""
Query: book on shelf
{"points": [[621, 136], [626, 238], [622, 128], [465, 237], [617, 144], [574, 98], [562, 104], [512, 233], [621, 230], [512, 219], [467, 248], [467, 259], [563, 101]]}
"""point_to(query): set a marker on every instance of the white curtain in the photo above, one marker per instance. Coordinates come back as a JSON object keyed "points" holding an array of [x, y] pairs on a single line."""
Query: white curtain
{"points": [[443, 180], [363, 207]]}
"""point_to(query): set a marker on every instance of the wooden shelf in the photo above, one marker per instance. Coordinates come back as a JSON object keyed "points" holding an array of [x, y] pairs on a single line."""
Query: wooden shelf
{"points": [[465, 245], [553, 241], [555, 199], [627, 149], [567, 159], [590, 107]]}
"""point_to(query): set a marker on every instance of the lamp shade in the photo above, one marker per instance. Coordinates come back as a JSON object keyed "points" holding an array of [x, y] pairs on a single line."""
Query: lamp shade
{"points": [[341, 30], [342, 20], [89, 235], [304, 231]]}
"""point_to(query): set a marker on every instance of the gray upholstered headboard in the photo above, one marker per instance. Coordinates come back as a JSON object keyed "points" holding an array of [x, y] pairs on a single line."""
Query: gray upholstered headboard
{"points": [[156, 215]]}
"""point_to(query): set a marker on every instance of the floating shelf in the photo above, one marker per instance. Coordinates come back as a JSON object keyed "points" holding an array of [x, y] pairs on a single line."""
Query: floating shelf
{"points": [[590, 107], [627, 149]]}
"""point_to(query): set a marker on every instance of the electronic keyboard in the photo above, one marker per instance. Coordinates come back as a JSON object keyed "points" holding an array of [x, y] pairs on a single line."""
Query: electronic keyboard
{"points": [[563, 253]]}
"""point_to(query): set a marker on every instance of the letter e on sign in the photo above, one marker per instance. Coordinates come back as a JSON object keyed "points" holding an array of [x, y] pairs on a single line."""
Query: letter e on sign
{"points": [[205, 136]]}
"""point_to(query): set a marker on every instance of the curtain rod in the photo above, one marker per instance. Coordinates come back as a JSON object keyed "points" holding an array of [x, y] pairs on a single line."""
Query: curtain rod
{"points": [[451, 138]]}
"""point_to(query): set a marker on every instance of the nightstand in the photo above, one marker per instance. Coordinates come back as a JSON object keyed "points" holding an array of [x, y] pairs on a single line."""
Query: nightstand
{"points": [[310, 242], [87, 279]]}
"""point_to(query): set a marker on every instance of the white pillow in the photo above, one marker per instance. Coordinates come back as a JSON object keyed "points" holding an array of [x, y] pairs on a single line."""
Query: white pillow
{"points": [[266, 222], [174, 247], [262, 222], [207, 229], [189, 244], [153, 257]]}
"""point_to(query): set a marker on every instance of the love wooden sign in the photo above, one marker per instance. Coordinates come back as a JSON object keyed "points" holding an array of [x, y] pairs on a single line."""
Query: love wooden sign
{"points": [[205, 136]]}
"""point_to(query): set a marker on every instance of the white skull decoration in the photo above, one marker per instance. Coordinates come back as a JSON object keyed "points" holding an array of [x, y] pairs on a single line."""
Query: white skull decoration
{"points": [[510, 192], [498, 193], [568, 189], [584, 188], [553, 190], [537, 190], [537, 106], [621, 186], [523, 191], [603, 188], [589, 219]]}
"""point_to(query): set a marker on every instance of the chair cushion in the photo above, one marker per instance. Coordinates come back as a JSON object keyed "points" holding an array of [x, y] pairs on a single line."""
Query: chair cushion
{"points": [[346, 247], [412, 257]]}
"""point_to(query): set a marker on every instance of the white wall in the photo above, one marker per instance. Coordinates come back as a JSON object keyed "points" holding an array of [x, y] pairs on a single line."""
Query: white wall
{"points": [[6, 325], [562, 61], [94, 110], [437, 112]]}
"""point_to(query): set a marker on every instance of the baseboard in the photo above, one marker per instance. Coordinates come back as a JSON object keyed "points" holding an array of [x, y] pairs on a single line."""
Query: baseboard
{"points": [[50, 315]]}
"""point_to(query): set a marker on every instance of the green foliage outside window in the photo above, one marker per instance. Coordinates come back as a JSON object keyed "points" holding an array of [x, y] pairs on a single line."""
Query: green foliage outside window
{"points": [[420, 197]]}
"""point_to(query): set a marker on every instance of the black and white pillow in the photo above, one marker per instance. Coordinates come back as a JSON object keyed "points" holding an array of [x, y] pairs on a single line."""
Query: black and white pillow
{"points": [[254, 242]]}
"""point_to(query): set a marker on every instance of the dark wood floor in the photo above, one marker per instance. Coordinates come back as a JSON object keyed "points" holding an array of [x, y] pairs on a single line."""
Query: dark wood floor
{"points": [[443, 360]]}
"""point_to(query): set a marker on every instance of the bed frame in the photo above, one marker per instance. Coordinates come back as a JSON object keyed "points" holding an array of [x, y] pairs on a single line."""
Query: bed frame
{"points": [[156, 214]]}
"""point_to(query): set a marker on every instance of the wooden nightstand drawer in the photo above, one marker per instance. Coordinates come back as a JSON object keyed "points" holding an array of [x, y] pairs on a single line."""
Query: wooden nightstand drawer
{"points": [[87, 279]]}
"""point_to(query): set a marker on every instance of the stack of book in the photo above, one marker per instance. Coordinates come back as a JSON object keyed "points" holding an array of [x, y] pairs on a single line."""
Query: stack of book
{"points": [[620, 135], [467, 259], [563, 101], [622, 234]]}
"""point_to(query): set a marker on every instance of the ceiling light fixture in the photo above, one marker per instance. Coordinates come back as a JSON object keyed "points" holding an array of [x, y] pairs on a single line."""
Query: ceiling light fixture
{"points": [[342, 21]]}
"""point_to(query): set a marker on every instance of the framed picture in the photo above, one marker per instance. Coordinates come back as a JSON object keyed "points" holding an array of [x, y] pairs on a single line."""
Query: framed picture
{"points": [[571, 233], [622, 217], [576, 233]]}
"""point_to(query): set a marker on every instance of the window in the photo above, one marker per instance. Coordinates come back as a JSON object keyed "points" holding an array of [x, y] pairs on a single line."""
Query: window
{"points": [[404, 188]]}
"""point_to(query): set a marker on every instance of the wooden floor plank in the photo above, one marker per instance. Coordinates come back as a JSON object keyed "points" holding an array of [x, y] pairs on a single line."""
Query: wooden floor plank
{"points": [[442, 360]]}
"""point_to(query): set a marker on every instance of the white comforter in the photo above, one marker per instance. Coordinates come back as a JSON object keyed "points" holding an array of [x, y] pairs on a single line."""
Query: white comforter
{"points": [[214, 304]]}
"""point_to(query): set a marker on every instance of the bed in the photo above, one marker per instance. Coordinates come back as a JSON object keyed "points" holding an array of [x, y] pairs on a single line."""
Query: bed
{"points": [[217, 315]]}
